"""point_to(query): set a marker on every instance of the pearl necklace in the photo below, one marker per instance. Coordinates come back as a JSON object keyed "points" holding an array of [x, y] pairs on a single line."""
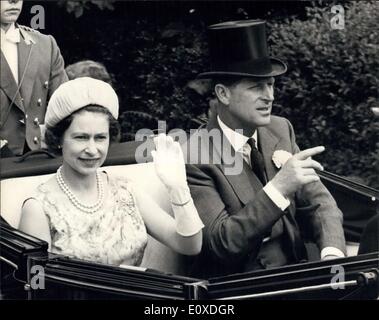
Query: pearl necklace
{"points": [[75, 201]]}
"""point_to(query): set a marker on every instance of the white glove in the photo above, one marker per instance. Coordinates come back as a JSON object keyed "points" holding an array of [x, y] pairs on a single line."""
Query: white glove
{"points": [[169, 162], [170, 168]]}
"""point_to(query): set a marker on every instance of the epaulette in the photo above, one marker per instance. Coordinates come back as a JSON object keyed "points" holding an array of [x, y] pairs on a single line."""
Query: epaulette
{"points": [[28, 29]]}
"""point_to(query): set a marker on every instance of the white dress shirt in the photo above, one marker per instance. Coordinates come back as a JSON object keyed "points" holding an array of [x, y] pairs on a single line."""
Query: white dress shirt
{"points": [[9, 41], [239, 144]]}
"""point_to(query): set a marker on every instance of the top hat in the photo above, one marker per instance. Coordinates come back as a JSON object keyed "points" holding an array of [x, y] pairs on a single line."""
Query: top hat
{"points": [[239, 48]]}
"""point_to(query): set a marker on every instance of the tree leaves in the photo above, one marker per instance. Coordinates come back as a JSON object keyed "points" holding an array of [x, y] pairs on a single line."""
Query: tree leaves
{"points": [[77, 7], [339, 71]]}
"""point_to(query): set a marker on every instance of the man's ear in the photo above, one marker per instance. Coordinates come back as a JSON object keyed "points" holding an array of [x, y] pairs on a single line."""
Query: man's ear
{"points": [[222, 93]]}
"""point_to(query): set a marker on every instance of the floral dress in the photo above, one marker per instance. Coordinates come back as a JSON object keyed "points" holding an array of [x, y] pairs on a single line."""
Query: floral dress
{"points": [[115, 234]]}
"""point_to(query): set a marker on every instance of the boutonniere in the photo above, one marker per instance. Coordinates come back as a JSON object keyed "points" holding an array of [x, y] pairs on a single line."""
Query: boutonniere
{"points": [[280, 157], [3, 143]]}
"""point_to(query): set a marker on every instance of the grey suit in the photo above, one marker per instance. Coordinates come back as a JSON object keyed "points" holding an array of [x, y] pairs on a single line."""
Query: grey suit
{"points": [[237, 213], [23, 106]]}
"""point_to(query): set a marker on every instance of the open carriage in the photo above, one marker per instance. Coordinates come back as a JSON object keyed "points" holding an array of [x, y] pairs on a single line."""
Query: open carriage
{"points": [[29, 271]]}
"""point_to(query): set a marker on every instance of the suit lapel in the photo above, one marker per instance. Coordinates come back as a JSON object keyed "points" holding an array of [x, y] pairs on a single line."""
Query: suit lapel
{"points": [[244, 182], [27, 70], [268, 143], [9, 85]]}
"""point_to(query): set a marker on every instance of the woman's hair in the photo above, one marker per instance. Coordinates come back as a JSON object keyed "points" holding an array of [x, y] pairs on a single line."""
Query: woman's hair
{"points": [[54, 135], [89, 68]]}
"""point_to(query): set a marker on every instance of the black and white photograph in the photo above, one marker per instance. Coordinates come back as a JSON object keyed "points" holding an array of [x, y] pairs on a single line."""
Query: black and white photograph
{"points": [[190, 151]]}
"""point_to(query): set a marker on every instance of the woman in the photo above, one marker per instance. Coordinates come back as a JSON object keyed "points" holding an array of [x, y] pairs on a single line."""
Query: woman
{"points": [[88, 214]]}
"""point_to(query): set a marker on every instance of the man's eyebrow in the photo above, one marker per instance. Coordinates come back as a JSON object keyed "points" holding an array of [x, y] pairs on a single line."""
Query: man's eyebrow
{"points": [[271, 79], [260, 82], [263, 80]]}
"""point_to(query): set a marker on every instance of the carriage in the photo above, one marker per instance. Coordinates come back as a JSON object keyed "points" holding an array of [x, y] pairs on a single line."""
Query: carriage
{"points": [[29, 271]]}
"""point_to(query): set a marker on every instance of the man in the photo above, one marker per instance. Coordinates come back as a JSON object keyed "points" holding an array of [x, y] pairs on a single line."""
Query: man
{"points": [[253, 216], [31, 69]]}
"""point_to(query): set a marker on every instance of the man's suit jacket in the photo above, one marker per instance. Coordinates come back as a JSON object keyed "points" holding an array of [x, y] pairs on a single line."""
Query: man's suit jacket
{"points": [[237, 213], [369, 241], [23, 106]]}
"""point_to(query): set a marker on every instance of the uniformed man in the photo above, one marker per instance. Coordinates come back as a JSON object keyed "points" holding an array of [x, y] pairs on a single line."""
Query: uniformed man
{"points": [[31, 69]]}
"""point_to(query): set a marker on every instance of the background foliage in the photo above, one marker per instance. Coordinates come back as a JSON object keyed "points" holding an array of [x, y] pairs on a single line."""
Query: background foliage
{"points": [[331, 85], [153, 50]]}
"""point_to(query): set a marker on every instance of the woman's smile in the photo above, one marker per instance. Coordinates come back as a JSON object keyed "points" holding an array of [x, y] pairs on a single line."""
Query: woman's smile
{"points": [[89, 162]]}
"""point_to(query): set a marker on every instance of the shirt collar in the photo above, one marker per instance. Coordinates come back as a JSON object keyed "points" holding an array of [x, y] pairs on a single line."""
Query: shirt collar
{"points": [[236, 139], [12, 34], [2, 35]]}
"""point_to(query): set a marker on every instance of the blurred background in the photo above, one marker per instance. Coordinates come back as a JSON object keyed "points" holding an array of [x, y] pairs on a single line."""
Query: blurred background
{"points": [[154, 49]]}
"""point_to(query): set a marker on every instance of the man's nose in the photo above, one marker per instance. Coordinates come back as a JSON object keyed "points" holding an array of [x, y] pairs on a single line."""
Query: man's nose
{"points": [[268, 93], [13, 1]]}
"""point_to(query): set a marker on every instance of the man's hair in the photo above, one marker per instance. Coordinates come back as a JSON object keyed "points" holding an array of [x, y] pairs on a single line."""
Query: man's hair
{"points": [[230, 81], [54, 135]]}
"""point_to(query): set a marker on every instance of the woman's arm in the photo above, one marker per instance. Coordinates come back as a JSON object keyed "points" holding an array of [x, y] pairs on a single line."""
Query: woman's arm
{"points": [[168, 230], [184, 233], [34, 221]]}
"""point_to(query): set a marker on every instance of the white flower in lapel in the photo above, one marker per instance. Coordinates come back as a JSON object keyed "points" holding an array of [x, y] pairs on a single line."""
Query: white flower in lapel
{"points": [[280, 157], [3, 143]]}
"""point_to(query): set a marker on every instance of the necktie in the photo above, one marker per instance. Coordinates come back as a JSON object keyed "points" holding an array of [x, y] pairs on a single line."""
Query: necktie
{"points": [[258, 166], [257, 162]]}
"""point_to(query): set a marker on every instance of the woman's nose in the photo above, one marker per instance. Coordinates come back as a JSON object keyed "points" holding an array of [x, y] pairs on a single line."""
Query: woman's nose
{"points": [[91, 147]]}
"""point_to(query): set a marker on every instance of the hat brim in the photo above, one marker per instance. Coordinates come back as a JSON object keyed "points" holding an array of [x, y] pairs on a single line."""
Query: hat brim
{"points": [[278, 68]]}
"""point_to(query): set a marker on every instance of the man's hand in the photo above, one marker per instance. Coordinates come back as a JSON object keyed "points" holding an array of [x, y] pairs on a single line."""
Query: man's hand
{"points": [[298, 171]]}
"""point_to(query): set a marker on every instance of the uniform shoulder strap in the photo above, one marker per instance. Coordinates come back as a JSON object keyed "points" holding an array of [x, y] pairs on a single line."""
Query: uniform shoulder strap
{"points": [[25, 28]]}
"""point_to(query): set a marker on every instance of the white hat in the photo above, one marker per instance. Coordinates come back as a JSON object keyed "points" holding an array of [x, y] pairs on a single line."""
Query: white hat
{"points": [[78, 93]]}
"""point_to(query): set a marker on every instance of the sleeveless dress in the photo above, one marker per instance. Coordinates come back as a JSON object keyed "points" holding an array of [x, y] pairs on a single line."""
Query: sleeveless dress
{"points": [[116, 234]]}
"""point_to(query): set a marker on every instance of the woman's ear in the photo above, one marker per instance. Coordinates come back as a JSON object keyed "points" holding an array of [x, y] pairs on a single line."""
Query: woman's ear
{"points": [[222, 93]]}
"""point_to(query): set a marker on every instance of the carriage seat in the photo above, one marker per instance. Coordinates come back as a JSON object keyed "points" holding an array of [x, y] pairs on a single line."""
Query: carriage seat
{"points": [[157, 256]]}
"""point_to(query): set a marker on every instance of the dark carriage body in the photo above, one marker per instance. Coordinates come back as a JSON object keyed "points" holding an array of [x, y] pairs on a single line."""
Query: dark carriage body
{"points": [[67, 278], [353, 277], [72, 279]]}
